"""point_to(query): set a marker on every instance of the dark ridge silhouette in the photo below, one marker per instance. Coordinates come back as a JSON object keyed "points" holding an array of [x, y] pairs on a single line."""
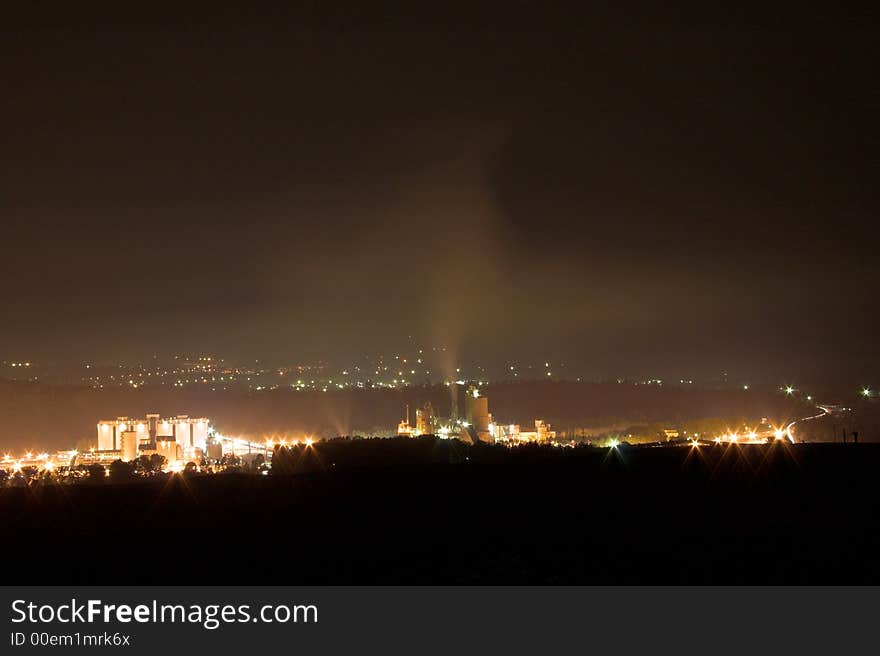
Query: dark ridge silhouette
{"points": [[428, 511]]}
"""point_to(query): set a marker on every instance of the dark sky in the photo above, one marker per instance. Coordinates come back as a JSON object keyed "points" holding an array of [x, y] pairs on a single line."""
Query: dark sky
{"points": [[631, 191]]}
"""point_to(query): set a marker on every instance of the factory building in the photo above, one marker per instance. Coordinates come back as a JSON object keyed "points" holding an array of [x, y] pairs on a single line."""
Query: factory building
{"points": [[477, 419], [513, 433], [168, 449], [110, 432], [477, 424], [426, 420], [173, 437], [129, 444], [404, 428]]}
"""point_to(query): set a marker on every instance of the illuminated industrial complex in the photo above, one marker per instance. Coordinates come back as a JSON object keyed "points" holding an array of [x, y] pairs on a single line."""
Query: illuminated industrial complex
{"points": [[177, 440], [477, 425], [174, 438]]}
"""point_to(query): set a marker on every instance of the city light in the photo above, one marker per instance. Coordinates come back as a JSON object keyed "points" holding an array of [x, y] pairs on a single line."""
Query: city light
{"points": [[866, 392], [614, 443], [789, 390]]}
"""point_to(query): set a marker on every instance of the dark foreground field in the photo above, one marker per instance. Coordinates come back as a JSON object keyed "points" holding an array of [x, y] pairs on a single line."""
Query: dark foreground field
{"points": [[443, 514]]}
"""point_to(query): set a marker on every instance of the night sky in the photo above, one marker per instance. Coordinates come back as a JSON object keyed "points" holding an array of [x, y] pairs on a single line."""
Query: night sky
{"points": [[627, 190]]}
